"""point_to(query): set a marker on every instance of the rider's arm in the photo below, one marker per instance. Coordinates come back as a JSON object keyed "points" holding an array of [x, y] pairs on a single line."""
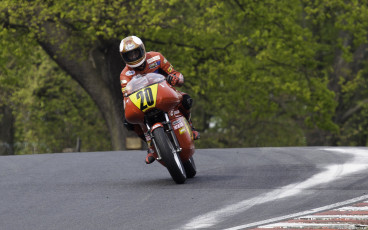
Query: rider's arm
{"points": [[125, 77], [177, 79]]}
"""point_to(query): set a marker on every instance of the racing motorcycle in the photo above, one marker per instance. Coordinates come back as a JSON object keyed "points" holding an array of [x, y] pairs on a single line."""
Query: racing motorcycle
{"points": [[154, 104]]}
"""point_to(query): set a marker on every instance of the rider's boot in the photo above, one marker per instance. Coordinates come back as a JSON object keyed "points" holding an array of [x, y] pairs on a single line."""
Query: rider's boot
{"points": [[151, 154], [196, 134]]}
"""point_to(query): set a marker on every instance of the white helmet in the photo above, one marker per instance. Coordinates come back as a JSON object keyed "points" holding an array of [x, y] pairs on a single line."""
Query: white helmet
{"points": [[132, 51]]}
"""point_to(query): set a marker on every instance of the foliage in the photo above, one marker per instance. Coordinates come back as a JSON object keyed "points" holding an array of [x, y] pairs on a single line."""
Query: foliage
{"points": [[51, 110], [262, 73]]}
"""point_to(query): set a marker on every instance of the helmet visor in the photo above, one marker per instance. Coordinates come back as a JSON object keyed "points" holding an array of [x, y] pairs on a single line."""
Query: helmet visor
{"points": [[133, 55]]}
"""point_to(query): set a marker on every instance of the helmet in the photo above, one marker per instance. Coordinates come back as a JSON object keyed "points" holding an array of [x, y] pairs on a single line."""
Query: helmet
{"points": [[132, 51]]}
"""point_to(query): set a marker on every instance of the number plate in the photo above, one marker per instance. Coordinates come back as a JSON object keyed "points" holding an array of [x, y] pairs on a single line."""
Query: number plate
{"points": [[145, 98]]}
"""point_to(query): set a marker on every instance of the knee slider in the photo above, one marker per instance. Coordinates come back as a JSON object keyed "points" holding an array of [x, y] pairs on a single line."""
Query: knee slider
{"points": [[187, 102]]}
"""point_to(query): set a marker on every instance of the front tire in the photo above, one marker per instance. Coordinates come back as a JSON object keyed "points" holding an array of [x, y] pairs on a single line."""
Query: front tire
{"points": [[169, 156], [190, 168]]}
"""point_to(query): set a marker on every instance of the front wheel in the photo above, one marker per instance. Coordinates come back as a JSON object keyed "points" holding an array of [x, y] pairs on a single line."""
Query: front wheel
{"points": [[190, 168], [169, 156]]}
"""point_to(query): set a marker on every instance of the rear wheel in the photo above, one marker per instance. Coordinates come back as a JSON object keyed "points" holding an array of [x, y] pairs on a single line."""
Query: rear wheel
{"points": [[169, 156]]}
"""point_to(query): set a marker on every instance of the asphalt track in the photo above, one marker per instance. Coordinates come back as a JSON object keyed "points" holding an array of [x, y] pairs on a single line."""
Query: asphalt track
{"points": [[233, 188]]}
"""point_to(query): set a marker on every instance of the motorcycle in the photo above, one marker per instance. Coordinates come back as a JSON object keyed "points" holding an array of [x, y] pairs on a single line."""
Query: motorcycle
{"points": [[154, 104]]}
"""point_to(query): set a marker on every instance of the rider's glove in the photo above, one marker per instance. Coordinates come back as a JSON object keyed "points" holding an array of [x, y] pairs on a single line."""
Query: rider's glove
{"points": [[172, 79]]}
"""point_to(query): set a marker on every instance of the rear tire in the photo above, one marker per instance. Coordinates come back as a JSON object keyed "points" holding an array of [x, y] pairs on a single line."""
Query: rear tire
{"points": [[190, 168], [169, 156]]}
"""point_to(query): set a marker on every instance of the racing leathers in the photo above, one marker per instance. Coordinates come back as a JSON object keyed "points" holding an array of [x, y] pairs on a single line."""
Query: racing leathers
{"points": [[156, 63]]}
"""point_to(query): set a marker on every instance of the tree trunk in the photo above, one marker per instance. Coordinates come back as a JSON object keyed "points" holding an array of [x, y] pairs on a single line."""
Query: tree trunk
{"points": [[98, 73], [6, 131]]}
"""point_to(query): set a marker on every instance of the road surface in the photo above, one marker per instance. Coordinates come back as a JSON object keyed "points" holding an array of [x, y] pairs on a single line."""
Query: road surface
{"points": [[233, 189]]}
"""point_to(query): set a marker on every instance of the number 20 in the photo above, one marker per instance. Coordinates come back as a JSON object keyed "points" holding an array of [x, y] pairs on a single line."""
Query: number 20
{"points": [[145, 95]]}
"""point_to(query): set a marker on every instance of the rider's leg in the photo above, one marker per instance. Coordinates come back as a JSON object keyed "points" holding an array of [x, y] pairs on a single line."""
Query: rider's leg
{"points": [[151, 154], [186, 105]]}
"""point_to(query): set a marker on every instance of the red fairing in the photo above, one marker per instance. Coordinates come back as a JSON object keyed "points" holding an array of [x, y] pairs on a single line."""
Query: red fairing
{"points": [[132, 113], [184, 135], [150, 92], [168, 98]]}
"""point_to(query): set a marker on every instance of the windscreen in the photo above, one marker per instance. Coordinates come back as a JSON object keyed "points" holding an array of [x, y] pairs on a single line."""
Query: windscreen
{"points": [[140, 81]]}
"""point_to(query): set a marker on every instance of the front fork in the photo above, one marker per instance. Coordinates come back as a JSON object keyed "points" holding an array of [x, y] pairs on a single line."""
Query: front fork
{"points": [[168, 129]]}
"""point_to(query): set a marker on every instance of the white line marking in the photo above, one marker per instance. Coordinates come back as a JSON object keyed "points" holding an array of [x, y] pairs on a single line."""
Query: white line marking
{"points": [[305, 225], [302, 214], [329, 217], [331, 172], [351, 208]]}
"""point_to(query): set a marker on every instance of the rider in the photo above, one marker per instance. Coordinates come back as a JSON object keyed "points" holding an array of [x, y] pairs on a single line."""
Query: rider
{"points": [[138, 61]]}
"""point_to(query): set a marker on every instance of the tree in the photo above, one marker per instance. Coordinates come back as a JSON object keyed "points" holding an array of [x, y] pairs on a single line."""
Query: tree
{"points": [[53, 112], [341, 30], [263, 77], [6, 136], [91, 61], [9, 82], [81, 38], [262, 72], [50, 110]]}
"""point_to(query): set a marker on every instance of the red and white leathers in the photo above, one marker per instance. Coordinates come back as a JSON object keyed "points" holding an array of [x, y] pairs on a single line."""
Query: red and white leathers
{"points": [[155, 63]]}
